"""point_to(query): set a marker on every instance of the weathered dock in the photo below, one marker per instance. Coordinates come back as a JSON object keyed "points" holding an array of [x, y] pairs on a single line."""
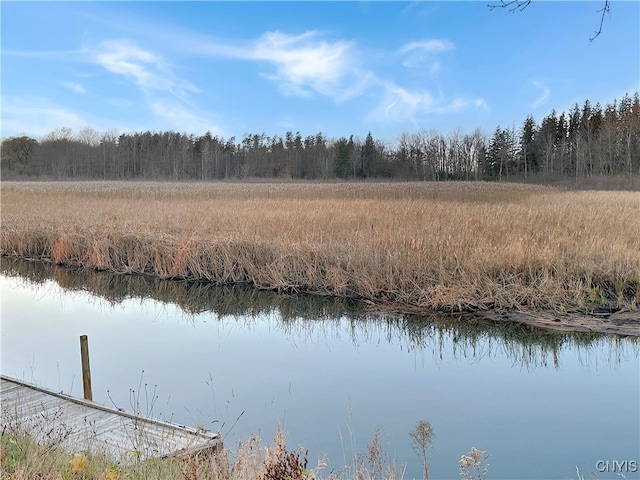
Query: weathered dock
{"points": [[81, 425]]}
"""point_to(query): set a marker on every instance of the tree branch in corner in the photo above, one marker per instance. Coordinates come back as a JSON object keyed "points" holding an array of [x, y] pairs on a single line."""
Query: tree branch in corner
{"points": [[520, 5]]}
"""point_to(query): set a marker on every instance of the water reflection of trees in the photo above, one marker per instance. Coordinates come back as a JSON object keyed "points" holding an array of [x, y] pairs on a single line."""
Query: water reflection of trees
{"points": [[316, 317]]}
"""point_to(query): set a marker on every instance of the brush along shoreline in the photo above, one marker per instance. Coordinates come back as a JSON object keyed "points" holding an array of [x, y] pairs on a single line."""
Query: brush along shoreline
{"points": [[561, 259]]}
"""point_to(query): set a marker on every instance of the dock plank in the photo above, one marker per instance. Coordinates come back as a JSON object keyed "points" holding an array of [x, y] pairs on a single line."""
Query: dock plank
{"points": [[80, 425]]}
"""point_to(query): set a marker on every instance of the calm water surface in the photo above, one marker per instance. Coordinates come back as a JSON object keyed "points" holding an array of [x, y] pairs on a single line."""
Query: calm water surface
{"points": [[244, 362]]}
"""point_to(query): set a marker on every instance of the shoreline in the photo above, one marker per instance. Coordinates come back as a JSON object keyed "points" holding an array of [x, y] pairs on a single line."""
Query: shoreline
{"points": [[536, 254], [618, 322]]}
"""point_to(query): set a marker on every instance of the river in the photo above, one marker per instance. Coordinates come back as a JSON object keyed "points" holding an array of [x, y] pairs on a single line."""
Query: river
{"points": [[329, 373]]}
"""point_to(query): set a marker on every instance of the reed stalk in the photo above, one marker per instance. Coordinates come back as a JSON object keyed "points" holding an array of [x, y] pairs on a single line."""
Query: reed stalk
{"points": [[417, 246]]}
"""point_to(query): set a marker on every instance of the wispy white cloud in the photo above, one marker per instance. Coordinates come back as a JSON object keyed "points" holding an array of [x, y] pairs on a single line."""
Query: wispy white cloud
{"points": [[420, 9], [168, 98], [176, 116], [307, 64], [76, 87], [36, 116], [458, 104], [146, 69], [544, 96], [421, 53], [480, 103], [429, 46], [304, 63], [399, 105]]}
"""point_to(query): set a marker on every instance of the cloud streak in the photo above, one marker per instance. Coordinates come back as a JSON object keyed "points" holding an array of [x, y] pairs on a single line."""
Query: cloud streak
{"points": [[427, 46], [421, 53], [146, 69], [544, 95], [304, 64], [307, 65], [36, 116], [184, 119], [399, 104], [76, 87], [167, 96]]}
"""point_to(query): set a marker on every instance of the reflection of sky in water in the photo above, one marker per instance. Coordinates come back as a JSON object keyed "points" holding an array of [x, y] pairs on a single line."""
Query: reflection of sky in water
{"points": [[329, 391]]}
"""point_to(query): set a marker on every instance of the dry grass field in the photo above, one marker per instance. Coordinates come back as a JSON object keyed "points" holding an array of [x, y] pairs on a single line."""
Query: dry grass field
{"points": [[22, 459], [411, 246]]}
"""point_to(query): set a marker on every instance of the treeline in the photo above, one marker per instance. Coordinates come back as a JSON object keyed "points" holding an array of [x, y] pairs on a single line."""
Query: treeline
{"points": [[586, 141]]}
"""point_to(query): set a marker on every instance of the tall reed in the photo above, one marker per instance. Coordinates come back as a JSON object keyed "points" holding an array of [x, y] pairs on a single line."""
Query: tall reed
{"points": [[416, 246]]}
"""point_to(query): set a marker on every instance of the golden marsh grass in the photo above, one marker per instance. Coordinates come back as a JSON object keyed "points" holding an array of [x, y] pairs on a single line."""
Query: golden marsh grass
{"points": [[414, 246]]}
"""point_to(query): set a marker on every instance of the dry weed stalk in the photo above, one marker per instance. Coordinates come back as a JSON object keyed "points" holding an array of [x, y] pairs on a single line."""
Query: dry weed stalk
{"points": [[422, 442], [281, 464], [418, 246], [23, 459], [474, 466]]}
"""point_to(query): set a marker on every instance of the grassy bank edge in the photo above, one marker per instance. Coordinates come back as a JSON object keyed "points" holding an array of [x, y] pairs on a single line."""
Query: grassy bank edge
{"points": [[611, 321], [502, 250]]}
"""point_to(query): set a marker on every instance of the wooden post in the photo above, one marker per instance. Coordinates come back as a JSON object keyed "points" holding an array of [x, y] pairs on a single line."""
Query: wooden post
{"points": [[86, 371]]}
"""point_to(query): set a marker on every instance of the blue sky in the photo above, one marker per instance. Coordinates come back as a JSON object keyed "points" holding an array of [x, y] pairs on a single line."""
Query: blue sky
{"points": [[339, 68]]}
